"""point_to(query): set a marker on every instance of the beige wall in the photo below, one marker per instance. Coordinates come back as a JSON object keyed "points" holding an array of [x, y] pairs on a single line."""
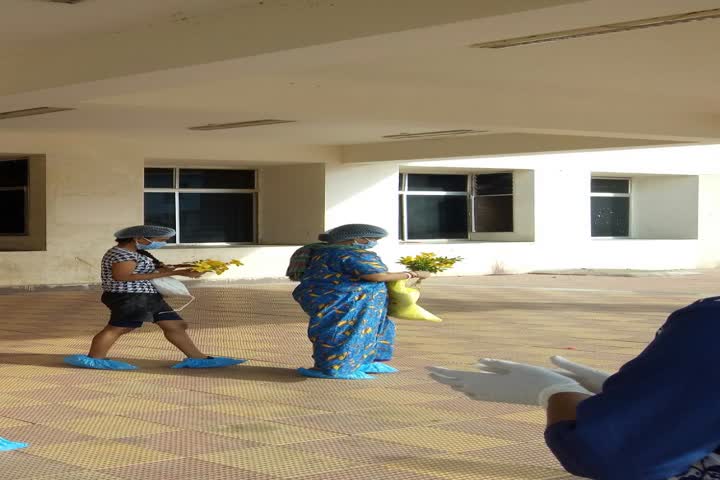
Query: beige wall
{"points": [[90, 192], [292, 204], [362, 194], [664, 207], [95, 187]]}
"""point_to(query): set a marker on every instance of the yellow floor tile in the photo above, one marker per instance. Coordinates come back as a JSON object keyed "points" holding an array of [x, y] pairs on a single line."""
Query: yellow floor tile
{"points": [[112, 427], [99, 454], [537, 417], [281, 462], [261, 410], [395, 396], [271, 433], [121, 406], [438, 439]]}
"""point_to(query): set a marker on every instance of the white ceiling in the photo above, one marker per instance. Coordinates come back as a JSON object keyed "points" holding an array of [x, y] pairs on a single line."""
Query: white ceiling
{"points": [[31, 21], [353, 85]]}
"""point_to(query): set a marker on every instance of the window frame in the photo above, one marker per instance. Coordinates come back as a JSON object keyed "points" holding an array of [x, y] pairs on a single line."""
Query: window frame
{"points": [[474, 195], [404, 192], [176, 191], [627, 195], [26, 201]]}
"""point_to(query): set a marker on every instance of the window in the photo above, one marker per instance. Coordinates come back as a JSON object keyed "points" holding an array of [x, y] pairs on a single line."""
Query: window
{"points": [[450, 206], [610, 207], [14, 197], [202, 205], [493, 203]]}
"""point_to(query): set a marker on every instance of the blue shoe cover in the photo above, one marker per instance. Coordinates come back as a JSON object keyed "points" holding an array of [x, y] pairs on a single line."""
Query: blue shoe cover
{"points": [[210, 362], [84, 361], [7, 445], [377, 367], [308, 372]]}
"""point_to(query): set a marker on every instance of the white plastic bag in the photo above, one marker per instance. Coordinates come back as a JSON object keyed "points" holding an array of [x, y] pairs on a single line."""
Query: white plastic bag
{"points": [[172, 287]]}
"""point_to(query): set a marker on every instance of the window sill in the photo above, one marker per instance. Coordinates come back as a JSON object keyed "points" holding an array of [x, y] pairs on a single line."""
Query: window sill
{"points": [[188, 246], [458, 241]]}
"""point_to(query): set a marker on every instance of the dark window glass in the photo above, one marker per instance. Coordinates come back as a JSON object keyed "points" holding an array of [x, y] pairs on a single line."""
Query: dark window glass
{"points": [[606, 185], [216, 217], [159, 178], [437, 183], [436, 217], [209, 178], [13, 173], [160, 210], [494, 214], [610, 216], [494, 184], [14, 206]]}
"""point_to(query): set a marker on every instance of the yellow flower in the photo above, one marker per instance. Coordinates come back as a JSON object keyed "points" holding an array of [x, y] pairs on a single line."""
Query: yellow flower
{"points": [[216, 266]]}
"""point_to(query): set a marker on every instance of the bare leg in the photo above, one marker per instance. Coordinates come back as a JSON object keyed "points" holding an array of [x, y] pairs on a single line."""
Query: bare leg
{"points": [[175, 332], [105, 339]]}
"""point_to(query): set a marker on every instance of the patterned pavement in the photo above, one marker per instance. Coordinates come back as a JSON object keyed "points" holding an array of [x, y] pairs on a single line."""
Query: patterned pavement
{"points": [[261, 421]]}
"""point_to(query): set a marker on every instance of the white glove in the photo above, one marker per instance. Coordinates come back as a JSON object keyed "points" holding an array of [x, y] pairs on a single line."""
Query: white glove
{"points": [[588, 377], [507, 382]]}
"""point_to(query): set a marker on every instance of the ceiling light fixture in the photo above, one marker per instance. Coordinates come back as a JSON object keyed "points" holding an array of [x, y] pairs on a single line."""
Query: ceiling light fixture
{"points": [[439, 133], [251, 123], [602, 29], [31, 111], [69, 2]]}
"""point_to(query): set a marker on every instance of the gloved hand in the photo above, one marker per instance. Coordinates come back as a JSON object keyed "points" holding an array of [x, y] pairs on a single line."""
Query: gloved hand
{"points": [[588, 377], [507, 382]]}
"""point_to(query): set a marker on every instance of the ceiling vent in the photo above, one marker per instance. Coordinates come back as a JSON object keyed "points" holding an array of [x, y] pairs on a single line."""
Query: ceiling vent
{"points": [[439, 133], [69, 2], [602, 29], [31, 111], [251, 123]]}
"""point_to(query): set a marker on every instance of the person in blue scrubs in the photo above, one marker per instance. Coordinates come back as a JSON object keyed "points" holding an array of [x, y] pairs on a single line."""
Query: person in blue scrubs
{"points": [[342, 289], [657, 418]]}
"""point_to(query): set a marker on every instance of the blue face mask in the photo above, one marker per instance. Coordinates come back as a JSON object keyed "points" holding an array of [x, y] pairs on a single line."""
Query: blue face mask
{"points": [[151, 245], [365, 246]]}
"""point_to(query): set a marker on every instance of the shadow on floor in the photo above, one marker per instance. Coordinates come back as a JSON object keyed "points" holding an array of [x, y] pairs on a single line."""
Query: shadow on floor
{"points": [[161, 367]]}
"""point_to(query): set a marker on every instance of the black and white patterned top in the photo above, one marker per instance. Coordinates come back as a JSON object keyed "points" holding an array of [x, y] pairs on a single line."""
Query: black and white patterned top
{"points": [[117, 255]]}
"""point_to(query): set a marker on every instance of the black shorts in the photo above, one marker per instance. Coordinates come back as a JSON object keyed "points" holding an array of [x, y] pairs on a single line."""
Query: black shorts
{"points": [[130, 310]]}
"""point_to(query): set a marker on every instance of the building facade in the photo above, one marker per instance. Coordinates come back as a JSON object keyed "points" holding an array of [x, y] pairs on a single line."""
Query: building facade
{"points": [[63, 198]]}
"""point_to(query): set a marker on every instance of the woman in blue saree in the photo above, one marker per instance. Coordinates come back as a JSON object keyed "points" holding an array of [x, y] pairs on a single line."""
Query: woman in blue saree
{"points": [[342, 289]]}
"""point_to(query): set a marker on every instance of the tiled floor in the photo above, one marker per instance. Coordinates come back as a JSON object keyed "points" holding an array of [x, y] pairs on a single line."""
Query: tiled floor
{"points": [[261, 421]]}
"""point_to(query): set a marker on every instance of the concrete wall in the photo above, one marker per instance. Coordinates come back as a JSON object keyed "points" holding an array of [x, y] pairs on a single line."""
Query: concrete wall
{"points": [[90, 191], [94, 187], [291, 204], [362, 194], [664, 207]]}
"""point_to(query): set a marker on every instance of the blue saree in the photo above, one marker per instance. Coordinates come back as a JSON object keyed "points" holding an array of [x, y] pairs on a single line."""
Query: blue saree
{"points": [[349, 327]]}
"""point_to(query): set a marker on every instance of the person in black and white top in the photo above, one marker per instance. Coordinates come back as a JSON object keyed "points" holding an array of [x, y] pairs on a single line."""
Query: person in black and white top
{"points": [[127, 271]]}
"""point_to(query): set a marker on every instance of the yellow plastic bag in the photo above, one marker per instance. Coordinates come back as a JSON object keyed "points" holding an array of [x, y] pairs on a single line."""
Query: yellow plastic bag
{"points": [[403, 303]]}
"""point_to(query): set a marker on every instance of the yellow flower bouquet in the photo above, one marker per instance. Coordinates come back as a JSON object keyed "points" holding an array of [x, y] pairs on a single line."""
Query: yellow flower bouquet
{"points": [[216, 266], [429, 262], [403, 299]]}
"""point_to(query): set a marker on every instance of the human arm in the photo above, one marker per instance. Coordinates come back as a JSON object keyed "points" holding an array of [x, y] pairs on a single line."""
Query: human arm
{"points": [[656, 417], [124, 272]]}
